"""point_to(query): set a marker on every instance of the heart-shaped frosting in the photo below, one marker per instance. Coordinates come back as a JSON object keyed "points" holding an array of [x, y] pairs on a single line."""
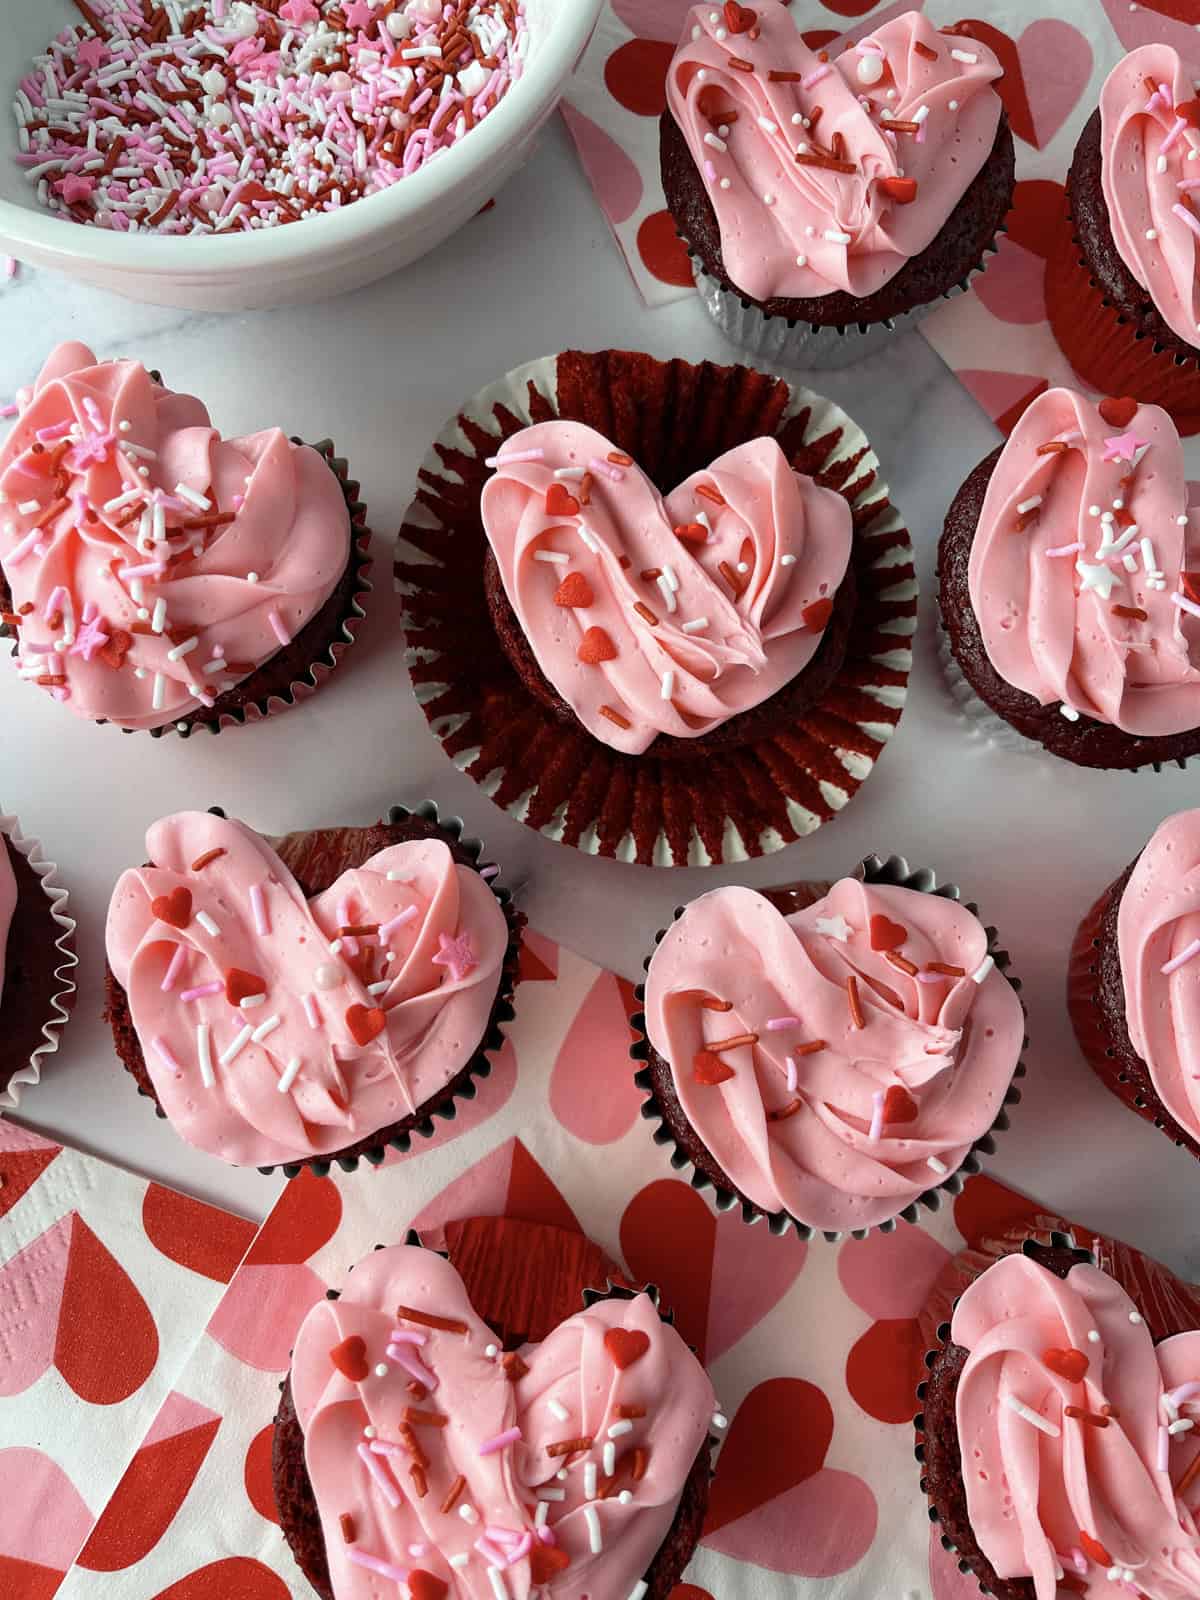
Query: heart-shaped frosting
{"points": [[699, 625], [277, 1028], [1076, 1468], [1145, 142], [1075, 567], [812, 189], [853, 1079], [174, 908], [142, 598], [461, 1471]]}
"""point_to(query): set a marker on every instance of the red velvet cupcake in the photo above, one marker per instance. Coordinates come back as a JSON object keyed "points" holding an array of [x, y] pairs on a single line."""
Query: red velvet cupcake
{"points": [[37, 960]]}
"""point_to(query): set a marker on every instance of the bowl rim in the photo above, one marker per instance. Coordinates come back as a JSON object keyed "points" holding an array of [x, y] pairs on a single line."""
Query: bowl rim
{"points": [[331, 233]]}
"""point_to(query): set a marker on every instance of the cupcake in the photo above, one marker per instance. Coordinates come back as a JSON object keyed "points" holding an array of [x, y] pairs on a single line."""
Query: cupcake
{"points": [[310, 999], [422, 1443], [1070, 602], [1052, 1459], [1122, 280], [37, 960], [155, 575], [662, 610], [827, 204], [1134, 987], [830, 1056]]}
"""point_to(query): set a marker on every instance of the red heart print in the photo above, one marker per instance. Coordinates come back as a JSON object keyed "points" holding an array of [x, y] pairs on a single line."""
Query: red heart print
{"points": [[365, 1023], [560, 503], [114, 652], [1189, 110], [1118, 412], [350, 1358], [574, 591], [241, 986], [902, 190], [817, 615], [886, 934], [424, 1585], [899, 1105], [546, 1561], [739, 19], [625, 1346], [596, 646], [692, 533], [710, 1069], [1093, 1548], [175, 908], [1070, 1364]]}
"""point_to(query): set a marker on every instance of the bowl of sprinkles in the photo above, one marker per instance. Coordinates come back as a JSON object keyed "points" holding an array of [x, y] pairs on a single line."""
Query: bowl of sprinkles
{"points": [[213, 154]]}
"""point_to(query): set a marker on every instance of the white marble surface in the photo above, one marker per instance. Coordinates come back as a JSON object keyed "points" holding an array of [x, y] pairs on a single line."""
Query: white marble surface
{"points": [[1033, 840]]}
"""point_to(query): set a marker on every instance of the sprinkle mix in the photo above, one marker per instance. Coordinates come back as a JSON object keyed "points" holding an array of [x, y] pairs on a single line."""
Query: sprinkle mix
{"points": [[178, 117]]}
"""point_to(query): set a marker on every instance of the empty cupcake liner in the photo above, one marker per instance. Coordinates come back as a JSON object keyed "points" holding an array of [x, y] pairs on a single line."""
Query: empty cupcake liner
{"points": [[62, 997], [557, 779], [1103, 346], [893, 870], [464, 1084]]}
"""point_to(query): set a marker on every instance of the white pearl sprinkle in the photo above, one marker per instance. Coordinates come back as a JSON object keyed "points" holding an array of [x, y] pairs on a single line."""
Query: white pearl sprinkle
{"points": [[801, 261], [1093, 1336], [768, 199], [1152, 233], [1136, 1317], [725, 183], [381, 1371], [953, 104], [369, 1432], [870, 68]]}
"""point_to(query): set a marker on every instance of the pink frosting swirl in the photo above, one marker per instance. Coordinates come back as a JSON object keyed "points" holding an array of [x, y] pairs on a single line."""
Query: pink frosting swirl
{"points": [[840, 1125], [321, 1059], [737, 609], [162, 590], [8, 904], [1079, 568], [1158, 925], [1068, 1495], [496, 1438], [1153, 214], [801, 229]]}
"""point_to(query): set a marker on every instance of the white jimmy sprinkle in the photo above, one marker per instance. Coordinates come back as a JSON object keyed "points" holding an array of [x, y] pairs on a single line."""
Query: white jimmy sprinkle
{"points": [[1031, 504], [201, 502], [542, 1514], [157, 695], [720, 1420], [638, 1590], [589, 538], [835, 236], [549, 1495], [964, 56], [289, 1075], [667, 593], [207, 923], [592, 1517], [266, 1028], [558, 558], [619, 1428], [767, 125], [937, 1166], [251, 1001], [181, 650], [557, 1410], [787, 561], [982, 970], [204, 1055], [499, 1587], [668, 684], [231, 1050], [589, 1480], [158, 618], [610, 1459], [697, 625], [1031, 1416], [463, 1557], [468, 1514], [716, 142], [1069, 712]]}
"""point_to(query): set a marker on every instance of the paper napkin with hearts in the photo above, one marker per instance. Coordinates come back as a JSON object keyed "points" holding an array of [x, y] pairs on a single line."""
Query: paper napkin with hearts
{"points": [[106, 1281], [814, 1350]]}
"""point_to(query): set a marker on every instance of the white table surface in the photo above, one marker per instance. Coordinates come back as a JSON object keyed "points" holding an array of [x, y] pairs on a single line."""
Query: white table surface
{"points": [[1033, 839]]}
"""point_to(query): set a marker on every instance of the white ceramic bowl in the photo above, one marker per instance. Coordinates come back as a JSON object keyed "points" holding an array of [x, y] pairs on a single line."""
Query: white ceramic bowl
{"points": [[323, 255]]}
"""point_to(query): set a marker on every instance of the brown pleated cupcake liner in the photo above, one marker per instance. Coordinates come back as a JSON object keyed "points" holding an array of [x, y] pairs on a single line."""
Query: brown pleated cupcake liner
{"points": [[1104, 347], [894, 870], [64, 961], [463, 1086], [491, 1246], [809, 346], [1100, 1050], [673, 418]]}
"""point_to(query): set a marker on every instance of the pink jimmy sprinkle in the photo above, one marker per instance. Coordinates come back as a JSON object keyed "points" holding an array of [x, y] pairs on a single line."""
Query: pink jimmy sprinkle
{"points": [[491, 1552], [1184, 604], [1184, 956], [160, 1044], [312, 1011], [25, 547], [388, 928], [58, 430], [814, 78], [9, 410], [521, 1550], [1186, 185], [1067, 549], [506, 1536], [11, 265], [1172, 138], [514, 455], [385, 1569], [1185, 214], [414, 1368], [606, 469], [710, 172], [201, 991], [876, 1115], [58, 598], [489, 1447], [258, 906], [277, 626], [1185, 1391], [173, 966], [384, 1480], [777, 1024], [547, 1534]]}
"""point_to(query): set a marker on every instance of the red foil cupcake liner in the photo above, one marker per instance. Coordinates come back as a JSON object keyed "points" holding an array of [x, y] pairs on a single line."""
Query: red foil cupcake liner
{"points": [[64, 961], [1102, 346], [672, 417], [1088, 1021]]}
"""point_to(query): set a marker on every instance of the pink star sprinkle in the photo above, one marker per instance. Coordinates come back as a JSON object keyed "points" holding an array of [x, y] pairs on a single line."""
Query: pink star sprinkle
{"points": [[299, 11], [1123, 447], [95, 447], [92, 53], [358, 14], [90, 638], [456, 954], [75, 187]]}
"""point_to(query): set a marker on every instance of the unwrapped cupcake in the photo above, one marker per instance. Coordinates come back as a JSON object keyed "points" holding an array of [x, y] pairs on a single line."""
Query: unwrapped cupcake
{"points": [[829, 1066], [1069, 574], [155, 575], [827, 202], [309, 999]]}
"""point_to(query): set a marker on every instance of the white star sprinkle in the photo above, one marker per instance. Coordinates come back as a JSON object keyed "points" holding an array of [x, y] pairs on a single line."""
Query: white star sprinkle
{"points": [[1096, 576], [836, 928]]}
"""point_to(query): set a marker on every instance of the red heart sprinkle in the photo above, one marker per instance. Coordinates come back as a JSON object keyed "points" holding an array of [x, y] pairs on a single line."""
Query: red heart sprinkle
{"points": [[902, 190], [350, 1358], [1070, 1364], [692, 533], [739, 19], [1191, 586], [899, 1105], [596, 646], [710, 1069], [574, 591], [546, 1561], [114, 652], [175, 908], [625, 1346], [241, 985], [886, 934], [1189, 110], [365, 1023], [560, 503], [1118, 412], [1093, 1547], [817, 615], [424, 1585]]}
